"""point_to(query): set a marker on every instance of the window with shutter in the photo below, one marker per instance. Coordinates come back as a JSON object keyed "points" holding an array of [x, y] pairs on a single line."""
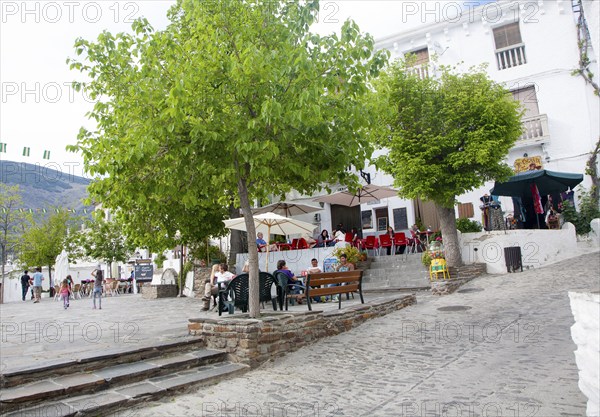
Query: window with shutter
{"points": [[510, 50], [465, 210], [508, 35]]}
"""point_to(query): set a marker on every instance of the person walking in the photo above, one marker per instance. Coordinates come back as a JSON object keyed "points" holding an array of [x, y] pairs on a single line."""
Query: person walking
{"points": [[98, 282], [37, 285], [25, 283], [64, 293]]}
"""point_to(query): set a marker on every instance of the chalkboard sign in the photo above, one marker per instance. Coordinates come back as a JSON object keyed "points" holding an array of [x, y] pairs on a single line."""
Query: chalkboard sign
{"points": [[400, 219], [366, 219], [144, 272]]}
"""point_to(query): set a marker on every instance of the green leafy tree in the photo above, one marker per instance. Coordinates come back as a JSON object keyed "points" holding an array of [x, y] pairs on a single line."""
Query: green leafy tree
{"points": [[588, 210], [232, 98], [12, 220], [104, 239], [445, 136], [43, 242]]}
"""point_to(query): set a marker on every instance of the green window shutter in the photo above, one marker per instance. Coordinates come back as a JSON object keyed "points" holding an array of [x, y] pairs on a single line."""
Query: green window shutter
{"points": [[26, 151]]}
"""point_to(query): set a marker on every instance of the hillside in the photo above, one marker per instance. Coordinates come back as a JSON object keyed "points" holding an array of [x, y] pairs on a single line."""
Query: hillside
{"points": [[42, 187]]}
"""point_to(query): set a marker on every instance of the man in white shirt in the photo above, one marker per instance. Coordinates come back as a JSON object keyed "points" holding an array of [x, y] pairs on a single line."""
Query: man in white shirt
{"points": [[223, 277]]}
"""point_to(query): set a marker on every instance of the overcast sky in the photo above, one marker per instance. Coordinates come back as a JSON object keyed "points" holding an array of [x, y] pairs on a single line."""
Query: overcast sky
{"points": [[38, 108]]}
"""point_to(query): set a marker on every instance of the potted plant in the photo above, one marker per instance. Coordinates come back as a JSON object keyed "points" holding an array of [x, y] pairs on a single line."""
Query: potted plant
{"points": [[352, 254]]}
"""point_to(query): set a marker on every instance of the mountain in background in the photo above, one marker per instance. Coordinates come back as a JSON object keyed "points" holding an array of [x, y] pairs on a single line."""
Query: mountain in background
{"points": [[44, 188]]}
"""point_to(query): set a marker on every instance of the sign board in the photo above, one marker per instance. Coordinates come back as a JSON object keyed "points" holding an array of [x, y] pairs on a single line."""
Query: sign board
{"points": [[144, 272], [400, 219], [329, 264]]}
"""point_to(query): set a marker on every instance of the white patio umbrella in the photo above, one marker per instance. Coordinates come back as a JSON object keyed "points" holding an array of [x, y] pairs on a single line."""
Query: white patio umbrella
{"points": [[364, 194], [287, 209], [61, 267], [271, 223]]}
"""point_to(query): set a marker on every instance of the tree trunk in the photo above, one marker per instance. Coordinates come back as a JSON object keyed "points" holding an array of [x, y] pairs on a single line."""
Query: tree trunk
{"points": [[254, 305], [235, 240], [449, 235], [50, 283], [2, 280]]}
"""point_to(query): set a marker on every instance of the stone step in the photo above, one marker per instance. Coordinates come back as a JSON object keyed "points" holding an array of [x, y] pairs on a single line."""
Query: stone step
{"points": [[93, 361], [122, 397], [105, 378]]}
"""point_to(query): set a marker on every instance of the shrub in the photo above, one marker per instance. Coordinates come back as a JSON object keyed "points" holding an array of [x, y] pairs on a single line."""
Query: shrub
{"points": [[199, 252], [426, 259], [160, 260], [468, 226], [588, 210]]}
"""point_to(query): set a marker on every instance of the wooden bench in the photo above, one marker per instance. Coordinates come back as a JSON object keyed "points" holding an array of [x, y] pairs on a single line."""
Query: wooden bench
{"points": [[347, 282]]}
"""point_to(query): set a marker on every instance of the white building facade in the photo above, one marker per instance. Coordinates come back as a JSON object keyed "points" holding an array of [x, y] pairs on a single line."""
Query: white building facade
{"points": [[531, 48]]}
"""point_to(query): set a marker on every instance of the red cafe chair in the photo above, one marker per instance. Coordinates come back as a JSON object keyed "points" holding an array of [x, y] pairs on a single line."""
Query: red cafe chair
{"points": [[385, 241], [399, 241], [302, 244], [370, 243]]}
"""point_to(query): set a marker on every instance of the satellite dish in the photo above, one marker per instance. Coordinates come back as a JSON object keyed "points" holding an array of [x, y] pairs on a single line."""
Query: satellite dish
{"points": [[439, 50]]}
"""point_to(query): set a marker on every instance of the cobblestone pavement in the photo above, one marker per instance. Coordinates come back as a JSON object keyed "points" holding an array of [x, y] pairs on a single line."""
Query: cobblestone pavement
{"points": [[509, 353], [44, 333]]}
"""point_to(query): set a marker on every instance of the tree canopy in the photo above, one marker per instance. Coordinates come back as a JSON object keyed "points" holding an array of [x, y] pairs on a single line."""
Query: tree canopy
{"points": [[233, 100], [444, 136], [12, 220], [43, 242], [104, 239]]}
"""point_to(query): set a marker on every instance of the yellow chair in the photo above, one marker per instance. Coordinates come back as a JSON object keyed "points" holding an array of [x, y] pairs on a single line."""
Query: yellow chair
{"points": [[438, 266]]}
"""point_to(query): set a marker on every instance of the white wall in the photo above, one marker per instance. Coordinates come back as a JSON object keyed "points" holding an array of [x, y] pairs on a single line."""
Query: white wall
{"points": [[538, 247], [586, 333], [296, 260]]}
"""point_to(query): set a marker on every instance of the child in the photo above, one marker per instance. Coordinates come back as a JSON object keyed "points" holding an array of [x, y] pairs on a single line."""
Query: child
{"points": [[98, 282], [64, 293]]}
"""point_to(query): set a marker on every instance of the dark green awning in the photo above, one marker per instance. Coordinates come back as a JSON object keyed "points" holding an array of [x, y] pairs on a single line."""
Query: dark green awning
{"points": [[548, 182]]}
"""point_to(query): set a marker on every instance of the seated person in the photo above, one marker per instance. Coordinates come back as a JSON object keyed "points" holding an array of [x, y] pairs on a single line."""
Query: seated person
{"points": [[324, 240], [344, 265], [552, 220], [261, 243], [314, 267], [355, 237], [282, 267], [339, 234], [211, 287]]}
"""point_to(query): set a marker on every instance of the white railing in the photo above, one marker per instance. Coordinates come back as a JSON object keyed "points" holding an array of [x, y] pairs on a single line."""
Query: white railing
{"points": [[510, 57], [421, 71], [535, 128]]}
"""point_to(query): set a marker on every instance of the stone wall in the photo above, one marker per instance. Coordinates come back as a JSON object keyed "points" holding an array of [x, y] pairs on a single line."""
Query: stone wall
{"points": [[254, 341], [458, 277], [159, 291]]}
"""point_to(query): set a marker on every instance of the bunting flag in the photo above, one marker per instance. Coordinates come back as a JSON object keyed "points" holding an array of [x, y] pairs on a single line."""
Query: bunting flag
{"points": [[26, 151], [2, 147], [537, 200], [46, 154], [45, 210]]}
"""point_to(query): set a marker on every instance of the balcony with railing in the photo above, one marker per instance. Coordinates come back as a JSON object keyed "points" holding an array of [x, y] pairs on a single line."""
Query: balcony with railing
{"points": [[421, 71], [511, 56], [535, 130]]}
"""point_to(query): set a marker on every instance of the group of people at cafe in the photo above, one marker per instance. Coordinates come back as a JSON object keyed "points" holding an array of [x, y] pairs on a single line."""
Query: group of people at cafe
{"points": [[220, 274], [321, 240]]}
